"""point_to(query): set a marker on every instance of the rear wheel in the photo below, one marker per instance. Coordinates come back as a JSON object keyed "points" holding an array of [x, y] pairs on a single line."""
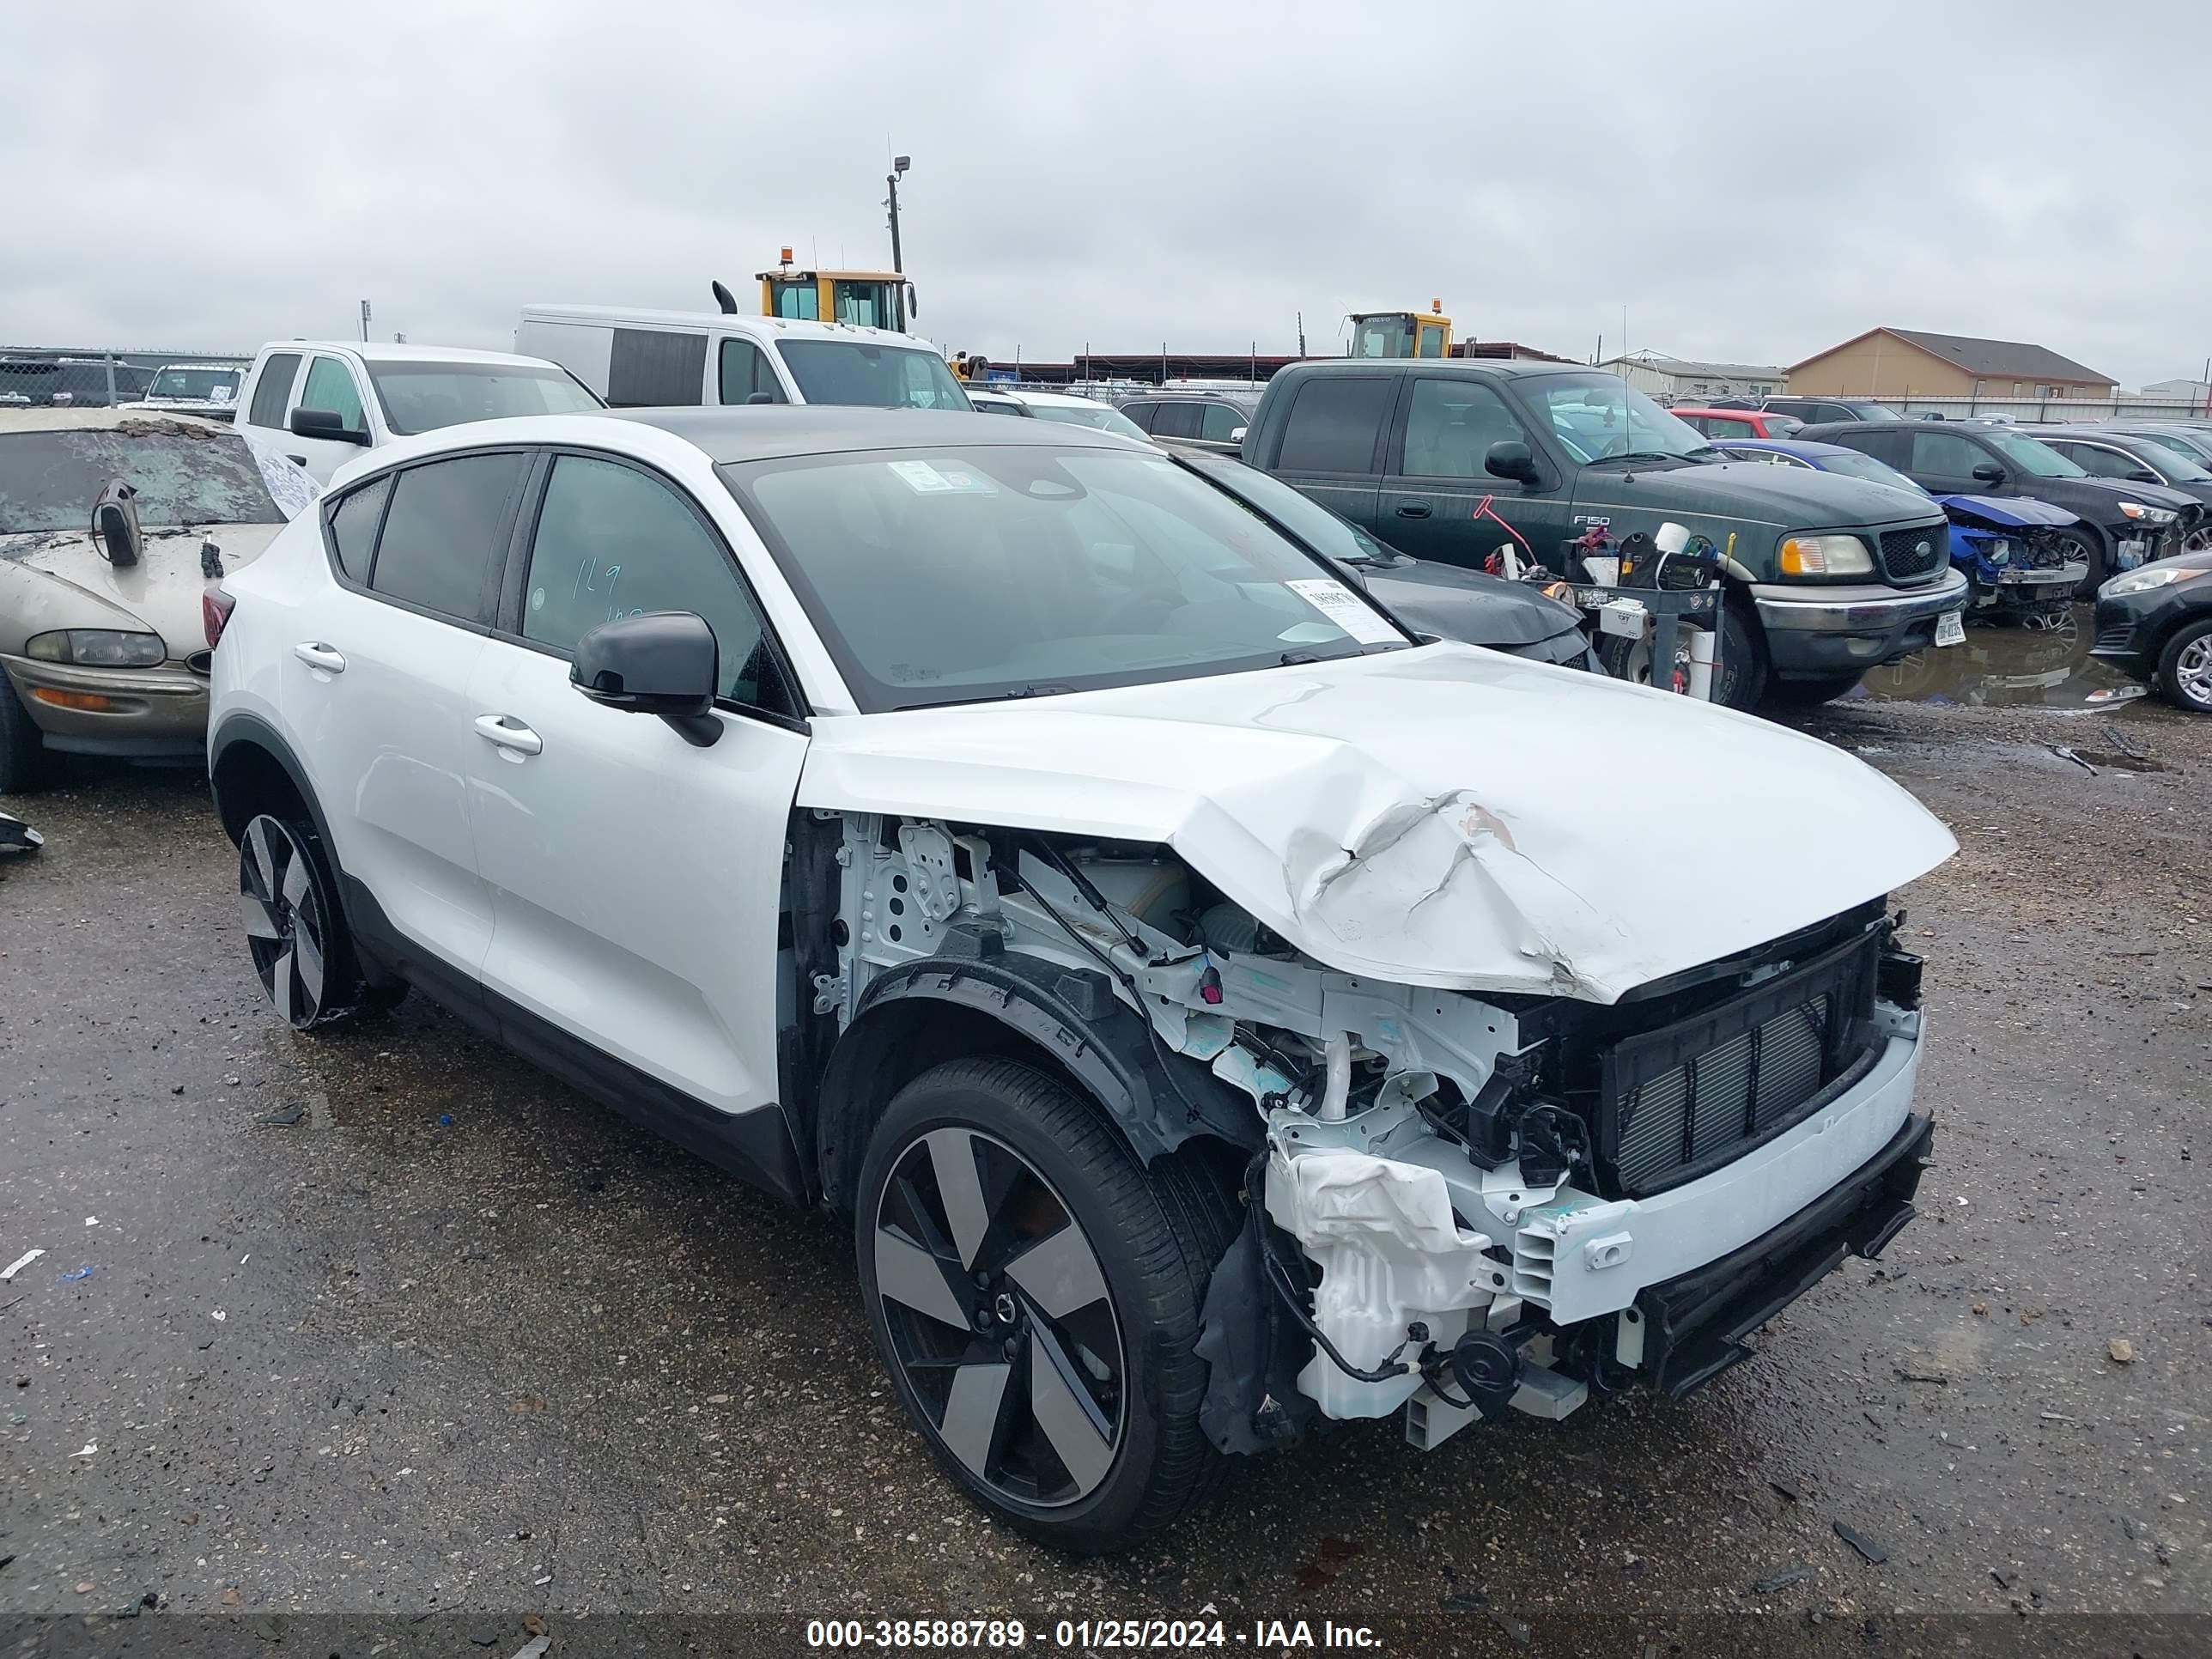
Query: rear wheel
{"points": [[2185, 668], [1035, 1293], [25, 764], [294, 930]]}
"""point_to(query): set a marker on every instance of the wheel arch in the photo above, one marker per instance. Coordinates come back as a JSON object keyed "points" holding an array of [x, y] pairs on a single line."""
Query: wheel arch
{"points": [[1066, 1021], [250, 767]]}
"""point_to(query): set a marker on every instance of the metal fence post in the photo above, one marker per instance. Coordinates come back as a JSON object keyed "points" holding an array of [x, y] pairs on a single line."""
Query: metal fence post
{"points": [[107, 362]]}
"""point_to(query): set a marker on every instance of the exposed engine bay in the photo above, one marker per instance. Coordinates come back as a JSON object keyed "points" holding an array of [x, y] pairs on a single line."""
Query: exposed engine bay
{"points": [[1457, 1204]]}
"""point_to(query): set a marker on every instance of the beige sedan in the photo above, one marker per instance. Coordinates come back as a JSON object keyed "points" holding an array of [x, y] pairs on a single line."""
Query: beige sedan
{"points": [[111, 521]]}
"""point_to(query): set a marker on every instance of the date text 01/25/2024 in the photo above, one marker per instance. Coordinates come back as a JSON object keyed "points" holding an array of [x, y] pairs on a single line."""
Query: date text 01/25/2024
{"points": [[1007, 1635]]}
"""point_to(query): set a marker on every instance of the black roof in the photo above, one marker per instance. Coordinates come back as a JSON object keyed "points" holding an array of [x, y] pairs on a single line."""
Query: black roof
{"points": [[753, 433], [1471, 368]]}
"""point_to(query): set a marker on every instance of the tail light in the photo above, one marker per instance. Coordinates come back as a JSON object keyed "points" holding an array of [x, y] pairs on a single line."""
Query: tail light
{"points": [[215, 607]]}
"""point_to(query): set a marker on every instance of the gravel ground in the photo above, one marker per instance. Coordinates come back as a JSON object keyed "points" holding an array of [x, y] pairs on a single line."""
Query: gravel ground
{"points": [[382, 1322]]}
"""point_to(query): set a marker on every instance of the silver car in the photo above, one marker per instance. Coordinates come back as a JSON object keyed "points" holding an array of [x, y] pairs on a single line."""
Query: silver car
{"points": [[112, 522]]}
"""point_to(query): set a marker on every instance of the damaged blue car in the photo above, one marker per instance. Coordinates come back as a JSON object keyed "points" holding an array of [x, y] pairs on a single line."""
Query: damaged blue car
{"points": [[2023, 558]]}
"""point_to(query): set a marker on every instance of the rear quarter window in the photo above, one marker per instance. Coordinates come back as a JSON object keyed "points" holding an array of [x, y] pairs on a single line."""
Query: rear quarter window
{"points": [[273, 391], [1333, 423]]}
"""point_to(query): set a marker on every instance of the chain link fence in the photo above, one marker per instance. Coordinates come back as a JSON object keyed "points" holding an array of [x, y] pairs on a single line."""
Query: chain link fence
{"points": [[35, 378]]}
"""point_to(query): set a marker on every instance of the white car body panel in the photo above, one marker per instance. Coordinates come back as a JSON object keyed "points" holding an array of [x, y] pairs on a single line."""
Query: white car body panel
{"points": [[1446, 817], [615, 937]]}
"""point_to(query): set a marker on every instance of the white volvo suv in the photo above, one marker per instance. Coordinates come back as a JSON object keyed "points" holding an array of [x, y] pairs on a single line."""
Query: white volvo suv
{"points": [[1212, 1009]]}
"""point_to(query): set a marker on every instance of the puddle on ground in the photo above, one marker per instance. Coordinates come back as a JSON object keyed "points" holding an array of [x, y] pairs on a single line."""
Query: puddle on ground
{"points": [[2004, 665]]}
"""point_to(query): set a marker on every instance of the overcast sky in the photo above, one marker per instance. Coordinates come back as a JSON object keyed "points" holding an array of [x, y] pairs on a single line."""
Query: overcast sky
{"points": [[1753, 183]]}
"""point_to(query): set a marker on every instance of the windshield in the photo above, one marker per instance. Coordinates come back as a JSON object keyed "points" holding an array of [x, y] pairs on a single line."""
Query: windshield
{"points": [[1098, 415], [1295, 510], [183, 474], [1600, 416], [1874, 472], [958, 575], [207, 384], [873, 376], [424, 397], [2036, 459]]}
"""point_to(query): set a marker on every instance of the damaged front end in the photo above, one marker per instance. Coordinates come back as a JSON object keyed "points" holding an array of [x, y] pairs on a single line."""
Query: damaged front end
{"points": [[2020, 556], [1454, 1203]]}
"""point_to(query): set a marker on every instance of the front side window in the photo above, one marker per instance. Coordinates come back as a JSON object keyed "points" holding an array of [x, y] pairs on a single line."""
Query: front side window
{"points": [[1600, 418], [956, 575], [1333, 422], [1940, 455], [864, 304], [857, 371], [184, 475], [1184, 420], [746, 374], [424, 397], [2098, 462], [1451, 426], [2175, 464], [272, 392], [615, 542], [331, 385], [2031, 456], [443, 530], [1221, 423]]}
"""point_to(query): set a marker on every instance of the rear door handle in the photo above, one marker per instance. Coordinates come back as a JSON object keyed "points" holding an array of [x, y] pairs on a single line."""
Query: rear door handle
{"points": [[509, 733], [1414, 509], [317, 655]]}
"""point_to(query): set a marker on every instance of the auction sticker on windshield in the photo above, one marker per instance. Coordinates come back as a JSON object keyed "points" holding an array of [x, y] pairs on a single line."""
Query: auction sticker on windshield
{"points": [[925, 479], [1346, 608]]}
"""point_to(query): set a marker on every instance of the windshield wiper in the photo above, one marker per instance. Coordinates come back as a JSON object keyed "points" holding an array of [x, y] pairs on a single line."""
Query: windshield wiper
{"points": [[1632, 456], [1040, 688]]}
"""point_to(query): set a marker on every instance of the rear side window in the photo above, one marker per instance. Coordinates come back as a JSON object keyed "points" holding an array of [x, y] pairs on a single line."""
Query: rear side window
{"points": [[1333, 423], [353, 527], [273, 391], [442, 533], [649, 368], [1142, 414], [1177, 420], [746, 373], [331, 385]]}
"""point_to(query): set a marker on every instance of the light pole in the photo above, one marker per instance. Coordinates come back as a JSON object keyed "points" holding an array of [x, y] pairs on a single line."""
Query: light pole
{"points": [[899, 164]]}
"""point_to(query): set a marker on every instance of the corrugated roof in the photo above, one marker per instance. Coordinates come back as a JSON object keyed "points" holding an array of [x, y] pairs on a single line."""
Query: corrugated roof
{"points": [[1989, 360]]}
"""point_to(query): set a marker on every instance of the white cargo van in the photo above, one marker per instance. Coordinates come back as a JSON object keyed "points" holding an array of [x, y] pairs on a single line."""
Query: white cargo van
{"points": [[660, 359]]}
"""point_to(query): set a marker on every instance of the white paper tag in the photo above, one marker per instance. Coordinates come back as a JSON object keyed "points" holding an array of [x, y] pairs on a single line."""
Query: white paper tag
{"points": [[1346, 608], [924, 479]]}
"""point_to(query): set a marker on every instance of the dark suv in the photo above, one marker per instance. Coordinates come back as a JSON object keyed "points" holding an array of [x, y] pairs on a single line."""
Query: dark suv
{"points": [[1447, 460], [2123, 524], [1809, 409], [1208, 420]]}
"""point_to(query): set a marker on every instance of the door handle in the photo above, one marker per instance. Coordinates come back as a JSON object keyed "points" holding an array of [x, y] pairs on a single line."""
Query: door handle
{"points": [[1414, 509], [509, 733], [317, 655]]}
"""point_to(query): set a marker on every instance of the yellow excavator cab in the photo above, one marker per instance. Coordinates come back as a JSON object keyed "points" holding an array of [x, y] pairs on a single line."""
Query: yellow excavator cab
{"points": [[1402, 333], [870, 298]]}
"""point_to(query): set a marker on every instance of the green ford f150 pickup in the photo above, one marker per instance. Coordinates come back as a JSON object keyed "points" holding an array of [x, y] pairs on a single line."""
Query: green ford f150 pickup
{"points": [[1828, 576]]}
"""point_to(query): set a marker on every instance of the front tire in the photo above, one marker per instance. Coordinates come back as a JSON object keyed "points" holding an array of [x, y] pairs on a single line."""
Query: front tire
{"points": [[1743, 668], [294, 930], [2081, 544], [25, 764], [2185, 668], [1035, 1293]]}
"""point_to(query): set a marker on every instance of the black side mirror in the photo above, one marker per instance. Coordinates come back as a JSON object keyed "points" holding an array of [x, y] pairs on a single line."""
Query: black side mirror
{"points": [[1989, 472], [326, 423], [1509, 459], [115, 525], [665, 663]]}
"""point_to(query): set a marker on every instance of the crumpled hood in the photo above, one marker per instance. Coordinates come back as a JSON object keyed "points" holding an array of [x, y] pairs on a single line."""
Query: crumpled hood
{"points": [[1443, 816], [161, 593], [2013, 511]]}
